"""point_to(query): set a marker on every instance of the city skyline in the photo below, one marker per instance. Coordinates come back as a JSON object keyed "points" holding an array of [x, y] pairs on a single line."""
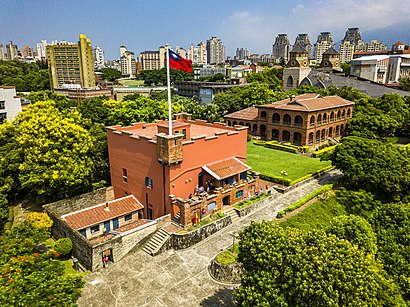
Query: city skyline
{"points": [[147, 25]]}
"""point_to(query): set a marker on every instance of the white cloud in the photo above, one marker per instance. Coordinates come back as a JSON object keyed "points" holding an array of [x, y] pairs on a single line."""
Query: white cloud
{"points": [[299, 8]]}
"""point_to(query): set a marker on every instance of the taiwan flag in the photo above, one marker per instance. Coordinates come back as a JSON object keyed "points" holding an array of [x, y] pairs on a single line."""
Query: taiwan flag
{"points": [[177, 62]]}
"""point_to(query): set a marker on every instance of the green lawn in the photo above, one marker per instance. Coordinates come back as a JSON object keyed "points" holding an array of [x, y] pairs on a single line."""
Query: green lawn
{"points": [[132, 82], [316, 216], [271, 162]]}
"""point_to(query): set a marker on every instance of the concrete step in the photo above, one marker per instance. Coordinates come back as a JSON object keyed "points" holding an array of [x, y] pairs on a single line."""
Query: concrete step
{"points": [[155, 243]]}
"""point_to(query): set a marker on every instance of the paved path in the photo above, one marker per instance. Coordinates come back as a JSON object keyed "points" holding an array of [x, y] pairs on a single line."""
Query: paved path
{"points": [[179, 278]]}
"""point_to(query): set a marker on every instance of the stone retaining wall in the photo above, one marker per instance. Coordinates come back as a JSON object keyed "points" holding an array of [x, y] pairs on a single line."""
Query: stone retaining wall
{"points": [[182, 241], [247, 210], [228, 273]]}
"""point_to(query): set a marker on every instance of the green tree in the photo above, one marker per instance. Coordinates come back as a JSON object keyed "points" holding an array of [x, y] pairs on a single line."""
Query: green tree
{"points": [[383, 170], [405, 84], [271, 76], [356, 230], [214, 78], [290, 267], [159, 76], [110, 74], [55, 150]]}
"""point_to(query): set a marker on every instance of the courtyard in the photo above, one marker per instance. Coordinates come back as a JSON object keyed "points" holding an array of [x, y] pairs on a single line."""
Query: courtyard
{"points": [[271, 162]]}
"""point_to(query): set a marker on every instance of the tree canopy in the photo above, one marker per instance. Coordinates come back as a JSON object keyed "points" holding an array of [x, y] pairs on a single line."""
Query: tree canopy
{"points": [[159, 76], [290, 267], [110, 74], [25, 77]]}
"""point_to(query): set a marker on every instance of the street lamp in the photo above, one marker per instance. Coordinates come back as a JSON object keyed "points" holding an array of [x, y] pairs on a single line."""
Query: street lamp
{"points": [[284, 174], [234, 235]]}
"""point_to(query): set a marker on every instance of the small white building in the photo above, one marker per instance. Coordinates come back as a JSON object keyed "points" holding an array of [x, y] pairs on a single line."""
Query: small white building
{"points": [[372, 67], [10, 104]]}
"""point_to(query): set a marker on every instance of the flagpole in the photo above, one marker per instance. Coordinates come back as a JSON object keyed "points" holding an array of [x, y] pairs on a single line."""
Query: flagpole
{"points": [[169, 94]]}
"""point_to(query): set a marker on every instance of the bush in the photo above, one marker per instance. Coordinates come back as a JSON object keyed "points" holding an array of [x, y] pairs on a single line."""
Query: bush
{"points": [[39, 220], [63, 246], [301, 179], [282, 147], [276, 179], [259, 143], [304, 200], [304, 149], [319, 153], [280, 214], [249, 138]]}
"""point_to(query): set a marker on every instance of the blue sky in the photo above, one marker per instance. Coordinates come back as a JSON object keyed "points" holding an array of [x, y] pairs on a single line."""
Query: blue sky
{"points": [[145, 25]]}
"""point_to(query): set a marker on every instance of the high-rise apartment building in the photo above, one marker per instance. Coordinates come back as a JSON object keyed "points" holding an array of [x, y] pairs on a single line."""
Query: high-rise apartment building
{"points": [[127, 60], [99, 61], [42, 50], [12, 51], [2, 55], [375, 46], [351, 42], [242, 53], [151, 60], [281, 48], [215, 51], [304, 41], [27, 52], [71, 63], [323, 43], [198, 54]]}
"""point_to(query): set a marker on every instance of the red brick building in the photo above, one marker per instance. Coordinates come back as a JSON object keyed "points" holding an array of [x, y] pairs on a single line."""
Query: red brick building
{"points": [[307, 119], [195, 171]]}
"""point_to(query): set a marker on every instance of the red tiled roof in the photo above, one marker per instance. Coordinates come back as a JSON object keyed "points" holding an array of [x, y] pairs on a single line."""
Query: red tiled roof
{"points": [[132, 225], [245, 114], [309, 102], [226, 168], [97, 214]]}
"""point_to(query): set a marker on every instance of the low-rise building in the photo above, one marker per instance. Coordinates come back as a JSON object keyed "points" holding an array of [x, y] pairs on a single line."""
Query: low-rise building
{"points": [[373, 67], [10, 104], [307, 119]]}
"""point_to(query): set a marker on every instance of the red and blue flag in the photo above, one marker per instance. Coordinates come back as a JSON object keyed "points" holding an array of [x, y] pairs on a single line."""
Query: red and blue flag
{"points": [[178, 62]]}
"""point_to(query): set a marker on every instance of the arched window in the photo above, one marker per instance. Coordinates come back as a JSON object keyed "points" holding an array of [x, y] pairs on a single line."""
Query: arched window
{"points": [[311, 138], [275, 134], [338, 115], [235, 122], [276, 118], [348, 113], [285, 136], [343, 114], [286, 120], [254, 128], [262, 130], [249, 126], [297, 138], [298, 121], [323, 135], [331, 132], [229, 122], [289, 82], [263, 114], [241, 123], [319, 119], [337, 132], [332, 117], [324, 119], [318, 136], [312, 121], [342, 130]]}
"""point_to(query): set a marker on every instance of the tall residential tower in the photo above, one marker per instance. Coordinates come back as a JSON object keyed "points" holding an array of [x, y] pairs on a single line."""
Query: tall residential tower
{"points": [[215, 51], [323, 43], [281, 48]]}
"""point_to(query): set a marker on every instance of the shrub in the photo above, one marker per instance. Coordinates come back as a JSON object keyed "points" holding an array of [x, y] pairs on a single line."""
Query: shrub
{"points": [[280, 214], [249, 138], [282, 147], [319, 153], [301, 179], [39, 220], [259, 143], [304, 148], [63, 246], [276, 179]]}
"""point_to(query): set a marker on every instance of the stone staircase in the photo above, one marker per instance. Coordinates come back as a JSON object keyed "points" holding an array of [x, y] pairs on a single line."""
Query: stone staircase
{"points": [[176, 220], [155, 243], [232, 213]]}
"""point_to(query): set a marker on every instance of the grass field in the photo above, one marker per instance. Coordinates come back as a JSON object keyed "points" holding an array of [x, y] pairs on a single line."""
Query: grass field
{"points": [[316, 216], [132, 82], [271, 162]]}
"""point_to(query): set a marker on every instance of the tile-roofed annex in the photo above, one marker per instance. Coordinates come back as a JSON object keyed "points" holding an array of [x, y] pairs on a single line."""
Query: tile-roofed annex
{"points": [[309, 102], [103, 212], [226, 168], [331, 50], [246, 114]]}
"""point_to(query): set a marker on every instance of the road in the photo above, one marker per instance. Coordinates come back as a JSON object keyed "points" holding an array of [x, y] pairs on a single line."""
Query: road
{"points": [[180, 278]]}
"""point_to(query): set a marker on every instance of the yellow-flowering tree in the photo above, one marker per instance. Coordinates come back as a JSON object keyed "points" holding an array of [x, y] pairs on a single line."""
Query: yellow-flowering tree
{"points": [[39, 220]]}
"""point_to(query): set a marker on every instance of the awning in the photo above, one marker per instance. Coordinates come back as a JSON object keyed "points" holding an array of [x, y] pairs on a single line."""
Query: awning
{"points": [[226, 168]]}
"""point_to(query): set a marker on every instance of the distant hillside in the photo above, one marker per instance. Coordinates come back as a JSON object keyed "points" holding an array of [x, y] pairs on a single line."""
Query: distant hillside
{"points": [[391, 34]]}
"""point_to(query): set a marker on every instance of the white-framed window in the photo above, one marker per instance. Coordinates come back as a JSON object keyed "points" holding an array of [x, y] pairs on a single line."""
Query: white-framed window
{"points": [[95, 229]]}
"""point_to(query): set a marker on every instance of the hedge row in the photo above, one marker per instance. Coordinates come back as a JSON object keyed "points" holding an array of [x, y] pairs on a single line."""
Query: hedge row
{"points": [[304, 200], [312, 174], [259, 143], [276, 179], [282, 147], [319, 153]]}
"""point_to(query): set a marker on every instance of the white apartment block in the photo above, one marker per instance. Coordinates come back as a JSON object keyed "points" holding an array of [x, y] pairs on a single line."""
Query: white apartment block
{"points": [[375, 46], [42, 50], [198, 54], [215, 51], [346, 50], [128, 65], [399, 67], [99, 61], [323, 43], [152, 60], [10, 104]]}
